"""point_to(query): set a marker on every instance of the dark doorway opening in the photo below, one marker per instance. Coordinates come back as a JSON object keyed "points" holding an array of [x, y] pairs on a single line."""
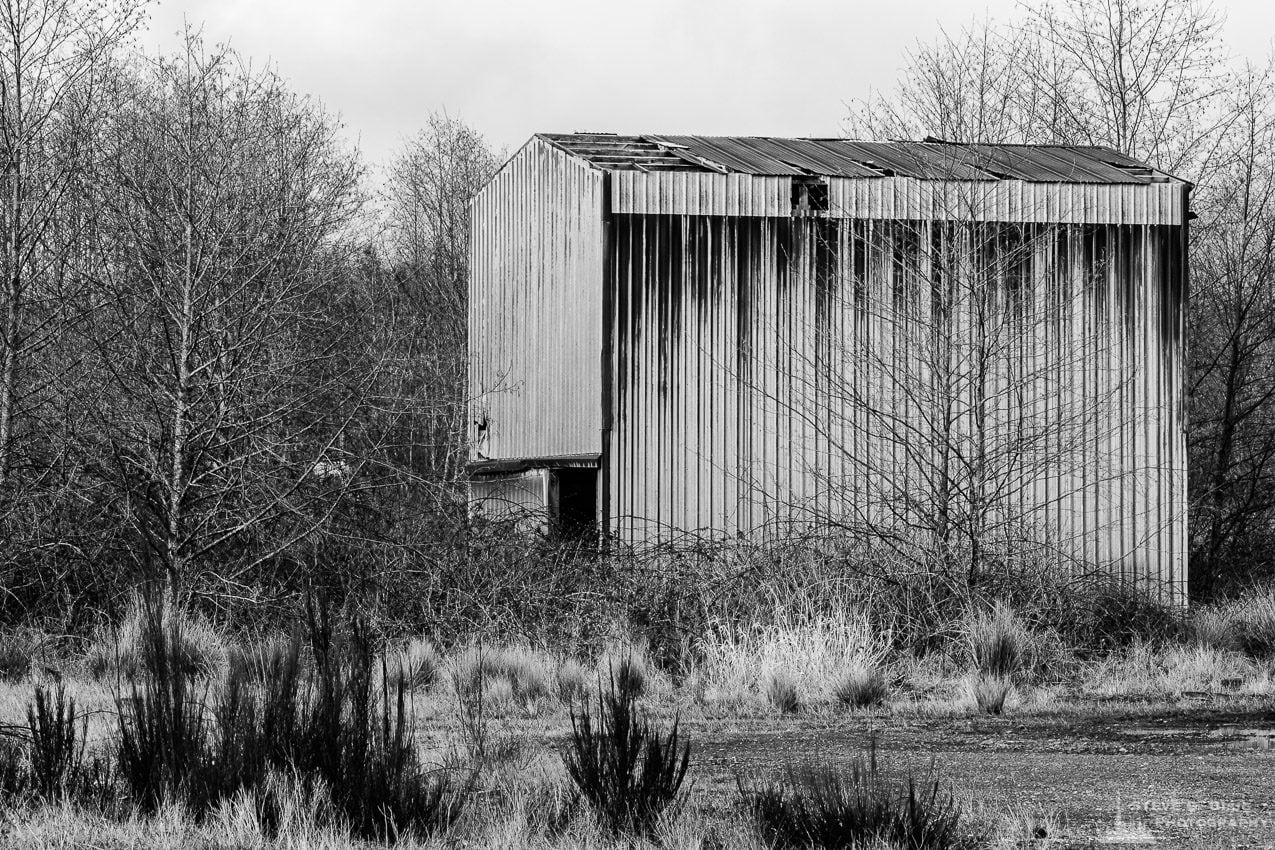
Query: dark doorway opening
{"points": [[576, 510]]}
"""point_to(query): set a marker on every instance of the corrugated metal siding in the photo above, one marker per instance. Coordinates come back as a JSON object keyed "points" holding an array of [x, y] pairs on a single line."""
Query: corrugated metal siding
{"points": [[708, 193], [700, 193], [515, 493], [535, 318], [1006, 200], [745, 349], [521, 496], [748, 354]]}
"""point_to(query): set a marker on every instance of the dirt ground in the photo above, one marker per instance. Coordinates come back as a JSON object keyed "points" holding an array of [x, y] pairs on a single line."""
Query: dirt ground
{"points": [[1193, 778]]}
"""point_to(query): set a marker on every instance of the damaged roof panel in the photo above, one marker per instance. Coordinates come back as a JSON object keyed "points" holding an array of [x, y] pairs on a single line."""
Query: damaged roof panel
{"points": [[929, 160]]}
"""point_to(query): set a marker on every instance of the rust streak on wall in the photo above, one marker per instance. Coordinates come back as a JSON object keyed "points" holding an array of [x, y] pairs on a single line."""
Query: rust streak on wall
{"points": [[772, 396]]}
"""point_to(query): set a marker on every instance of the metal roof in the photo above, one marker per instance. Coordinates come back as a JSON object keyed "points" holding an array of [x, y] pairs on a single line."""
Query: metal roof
{"points": [[929, 160]]}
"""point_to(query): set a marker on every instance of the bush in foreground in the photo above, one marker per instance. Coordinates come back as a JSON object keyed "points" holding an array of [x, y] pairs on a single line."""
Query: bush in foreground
{"points": [[629, 772], [57, 743], [160, 745], [359, 747], [200, 748], [822, 806]]}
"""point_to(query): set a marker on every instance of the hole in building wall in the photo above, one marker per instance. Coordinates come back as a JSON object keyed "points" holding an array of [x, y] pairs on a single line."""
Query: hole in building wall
{"points": [[574, 508]]}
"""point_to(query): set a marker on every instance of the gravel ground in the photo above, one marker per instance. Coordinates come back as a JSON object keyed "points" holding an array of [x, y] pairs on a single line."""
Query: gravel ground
{"points": [[1183, 779]]}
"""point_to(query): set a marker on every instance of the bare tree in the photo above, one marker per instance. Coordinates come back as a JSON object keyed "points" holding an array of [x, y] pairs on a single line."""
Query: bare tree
{"points": [[53, 54], [1151, 79], [1232, 328], [225, 404], [1147, 78], [965, 389], [427, 197], [963, 87]]}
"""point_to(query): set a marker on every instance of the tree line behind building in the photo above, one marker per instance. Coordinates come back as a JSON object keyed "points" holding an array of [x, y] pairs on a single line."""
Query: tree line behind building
{"points": [[232, 362]]}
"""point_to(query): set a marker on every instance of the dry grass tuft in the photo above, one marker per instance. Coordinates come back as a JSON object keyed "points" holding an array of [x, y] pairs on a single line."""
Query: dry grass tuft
{"points": [[500, 695], [990, 693], [124, 649], [813, 650], [998, 641], [422, 664], [815, 804], [628, 665], [295, 812], [508, 676], [253, 659], [572, 680], [17, 650], [1246, 623], [1019, 827], [1146, 670], [781, 691], [861, 686], [1212, 627]]}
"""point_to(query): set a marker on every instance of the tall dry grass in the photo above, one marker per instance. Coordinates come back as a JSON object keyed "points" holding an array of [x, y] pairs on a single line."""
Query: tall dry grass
{"points": [[529, 819], [1148, 670], [810, 651], [1245, 623], [123, 650], [833, 655]]}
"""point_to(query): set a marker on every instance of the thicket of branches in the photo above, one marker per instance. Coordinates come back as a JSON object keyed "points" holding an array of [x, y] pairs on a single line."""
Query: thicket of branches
{"points": [[217, 373], [1154, 80], [227, 366], [966, 428]]}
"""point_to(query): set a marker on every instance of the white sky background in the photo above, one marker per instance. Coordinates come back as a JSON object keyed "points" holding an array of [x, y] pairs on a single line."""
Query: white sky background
{"points": [[510, 69]]}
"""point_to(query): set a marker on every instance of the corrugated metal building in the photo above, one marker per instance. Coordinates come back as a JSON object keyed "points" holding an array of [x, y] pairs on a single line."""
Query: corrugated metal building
{"points": [[734, 335]]}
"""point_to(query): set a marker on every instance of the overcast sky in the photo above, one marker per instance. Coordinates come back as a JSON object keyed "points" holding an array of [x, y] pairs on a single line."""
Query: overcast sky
{"points": [[511, 69]]}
